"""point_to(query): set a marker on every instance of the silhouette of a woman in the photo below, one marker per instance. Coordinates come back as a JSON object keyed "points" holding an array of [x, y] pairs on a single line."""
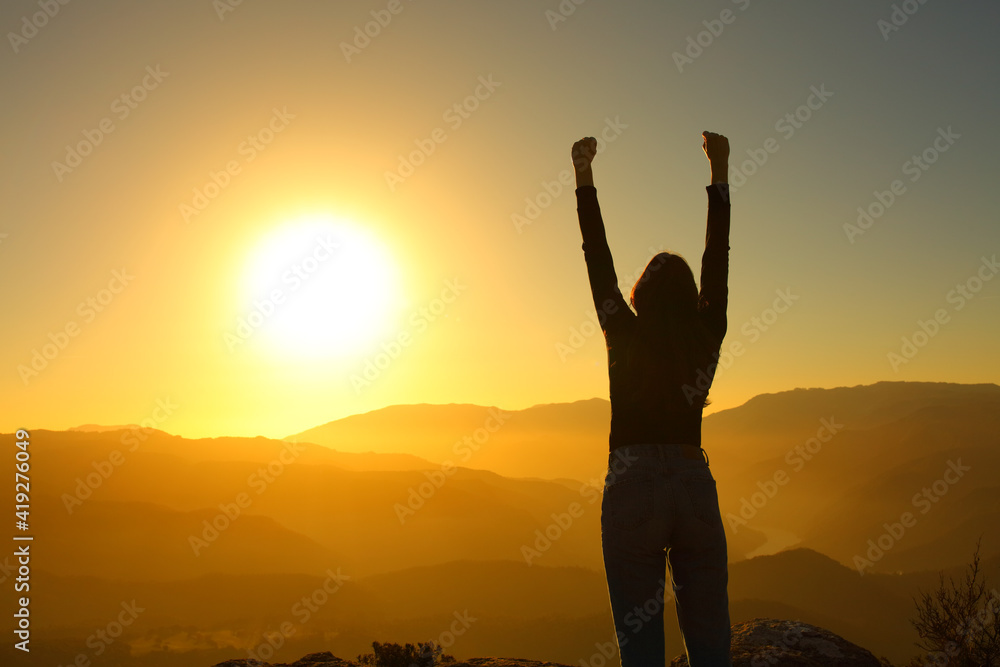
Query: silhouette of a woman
{"points": [[660, 502]]}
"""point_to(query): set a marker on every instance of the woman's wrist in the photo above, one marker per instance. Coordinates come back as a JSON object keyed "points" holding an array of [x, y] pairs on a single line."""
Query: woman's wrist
{"points": [[720, 173], [585, 177]]}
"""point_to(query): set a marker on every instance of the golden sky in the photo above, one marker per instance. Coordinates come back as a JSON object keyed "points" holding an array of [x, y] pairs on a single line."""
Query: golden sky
{"points": [[271, 215]]}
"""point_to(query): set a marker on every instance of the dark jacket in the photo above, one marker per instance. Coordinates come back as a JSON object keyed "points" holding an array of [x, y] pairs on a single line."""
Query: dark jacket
{"points": [[676, 419]]}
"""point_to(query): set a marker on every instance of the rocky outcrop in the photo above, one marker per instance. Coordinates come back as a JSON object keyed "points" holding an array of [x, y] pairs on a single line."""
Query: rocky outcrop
{"points": [[503, 662], [327, 659], [324, 659], [766, 641]]}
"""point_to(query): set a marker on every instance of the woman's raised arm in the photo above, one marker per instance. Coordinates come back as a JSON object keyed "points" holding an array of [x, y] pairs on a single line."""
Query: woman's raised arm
{"points": [[608, 300], [714, 298]]}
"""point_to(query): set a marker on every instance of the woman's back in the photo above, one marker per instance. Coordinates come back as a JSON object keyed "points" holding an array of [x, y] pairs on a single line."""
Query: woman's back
{"points": [[660, 368]]}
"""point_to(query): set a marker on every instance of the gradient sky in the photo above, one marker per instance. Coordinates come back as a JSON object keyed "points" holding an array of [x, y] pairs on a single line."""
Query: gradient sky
{"points": [[522, 290]]}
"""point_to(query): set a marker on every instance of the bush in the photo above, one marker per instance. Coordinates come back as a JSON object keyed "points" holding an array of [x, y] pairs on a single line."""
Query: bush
{"points": [[959, 624], [424, 654]]}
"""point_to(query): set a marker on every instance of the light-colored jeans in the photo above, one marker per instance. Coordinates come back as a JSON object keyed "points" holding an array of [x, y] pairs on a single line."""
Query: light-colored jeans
{"points": [[659, 509]]}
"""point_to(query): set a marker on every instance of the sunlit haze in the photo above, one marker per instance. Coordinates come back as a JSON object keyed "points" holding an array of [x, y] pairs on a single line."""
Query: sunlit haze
{"points": [[168, 166]]}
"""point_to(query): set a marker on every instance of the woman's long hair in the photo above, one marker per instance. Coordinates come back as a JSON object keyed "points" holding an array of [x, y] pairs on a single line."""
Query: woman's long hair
{"points": [[671, 334]]}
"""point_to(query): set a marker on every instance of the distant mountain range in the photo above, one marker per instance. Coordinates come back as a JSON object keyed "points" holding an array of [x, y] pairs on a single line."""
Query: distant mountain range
{"points": [[98, 428], [429, 509], [886, 443]]}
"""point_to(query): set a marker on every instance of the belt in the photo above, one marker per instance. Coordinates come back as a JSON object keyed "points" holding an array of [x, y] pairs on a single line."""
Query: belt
{"points": [[694, 452], [686, 450]]}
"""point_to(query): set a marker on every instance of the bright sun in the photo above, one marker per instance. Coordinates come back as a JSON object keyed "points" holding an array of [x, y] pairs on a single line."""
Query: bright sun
{"points": [[320, 287]]}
